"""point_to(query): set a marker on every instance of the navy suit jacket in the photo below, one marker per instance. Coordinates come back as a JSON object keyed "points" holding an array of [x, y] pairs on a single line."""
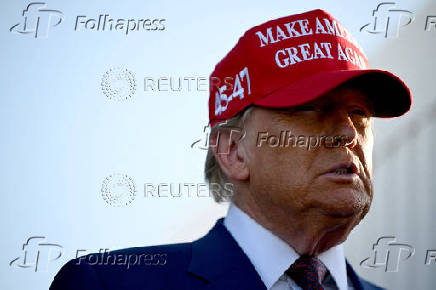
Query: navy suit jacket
{"points": [[214, 261]]}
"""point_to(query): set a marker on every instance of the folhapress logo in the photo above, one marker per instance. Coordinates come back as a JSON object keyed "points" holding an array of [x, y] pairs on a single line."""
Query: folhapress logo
{"points": [[37, 20], [388, 254], [388, 21], [37, 254], [236, 134]]}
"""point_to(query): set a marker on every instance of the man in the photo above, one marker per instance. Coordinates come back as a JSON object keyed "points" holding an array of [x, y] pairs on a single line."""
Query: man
{"points": [[290, 108]]}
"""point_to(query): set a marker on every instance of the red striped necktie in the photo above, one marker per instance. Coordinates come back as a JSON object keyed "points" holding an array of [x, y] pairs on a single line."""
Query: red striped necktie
{"points": [[308, 272]]}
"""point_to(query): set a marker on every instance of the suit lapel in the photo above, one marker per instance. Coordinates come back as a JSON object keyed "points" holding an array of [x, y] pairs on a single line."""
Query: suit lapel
{"points": [[357, 283], [218, 260]]}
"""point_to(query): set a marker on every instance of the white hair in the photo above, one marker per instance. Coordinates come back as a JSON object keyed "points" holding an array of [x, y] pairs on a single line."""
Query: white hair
{"points": [[212, 171]]}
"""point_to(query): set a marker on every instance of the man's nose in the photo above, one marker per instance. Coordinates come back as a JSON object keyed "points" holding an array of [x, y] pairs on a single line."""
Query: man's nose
{"points": [[344, 130]]}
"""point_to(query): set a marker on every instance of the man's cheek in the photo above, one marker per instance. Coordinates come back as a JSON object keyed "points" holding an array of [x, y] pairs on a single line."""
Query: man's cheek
{"points": [[367, 148]]}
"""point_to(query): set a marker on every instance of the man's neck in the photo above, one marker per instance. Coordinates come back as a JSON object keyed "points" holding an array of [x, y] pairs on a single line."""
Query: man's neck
{"points": [[271, 255]]}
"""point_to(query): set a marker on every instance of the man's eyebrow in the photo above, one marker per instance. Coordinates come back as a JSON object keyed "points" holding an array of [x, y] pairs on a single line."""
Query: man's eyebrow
{"points": [[369, 103]]}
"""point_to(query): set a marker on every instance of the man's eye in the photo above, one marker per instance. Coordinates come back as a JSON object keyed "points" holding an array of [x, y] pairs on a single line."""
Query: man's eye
{"points": [[359, 112]]}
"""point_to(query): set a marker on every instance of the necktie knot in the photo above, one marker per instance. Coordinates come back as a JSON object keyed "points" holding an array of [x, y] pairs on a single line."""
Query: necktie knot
{"points": [[308, 272]]}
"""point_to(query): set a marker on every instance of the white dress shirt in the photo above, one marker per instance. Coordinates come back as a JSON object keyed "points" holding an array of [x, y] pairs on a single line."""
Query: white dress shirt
{"points": [[271, 256]]}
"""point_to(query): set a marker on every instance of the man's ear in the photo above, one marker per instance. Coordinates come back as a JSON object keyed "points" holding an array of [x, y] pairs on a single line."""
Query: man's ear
{"points": [[230, 152]]}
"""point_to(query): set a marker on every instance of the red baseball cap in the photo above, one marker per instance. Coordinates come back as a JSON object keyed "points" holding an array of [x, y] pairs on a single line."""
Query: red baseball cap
{"points": [[294, 59]]}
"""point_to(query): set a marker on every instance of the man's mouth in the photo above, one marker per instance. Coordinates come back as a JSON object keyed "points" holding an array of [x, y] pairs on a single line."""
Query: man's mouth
{"points": [[343, 168]]}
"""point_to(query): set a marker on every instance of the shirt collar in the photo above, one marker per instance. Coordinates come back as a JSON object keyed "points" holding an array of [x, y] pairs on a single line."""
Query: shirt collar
{"points": [[270, 255]]}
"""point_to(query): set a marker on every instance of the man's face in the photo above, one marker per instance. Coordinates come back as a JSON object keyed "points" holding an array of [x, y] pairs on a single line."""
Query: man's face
{"points": [[325, 183]]}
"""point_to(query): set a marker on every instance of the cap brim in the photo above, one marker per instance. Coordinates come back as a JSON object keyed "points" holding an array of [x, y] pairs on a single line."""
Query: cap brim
{"points": [[389, 94]]}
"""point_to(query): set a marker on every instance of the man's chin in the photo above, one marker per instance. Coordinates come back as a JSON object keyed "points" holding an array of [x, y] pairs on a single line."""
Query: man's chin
{"points": [[346, 203], [342, 213]]}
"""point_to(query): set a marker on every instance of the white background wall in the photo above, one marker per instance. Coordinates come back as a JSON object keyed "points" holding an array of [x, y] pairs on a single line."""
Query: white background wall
{"points": [[61, 136]]}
